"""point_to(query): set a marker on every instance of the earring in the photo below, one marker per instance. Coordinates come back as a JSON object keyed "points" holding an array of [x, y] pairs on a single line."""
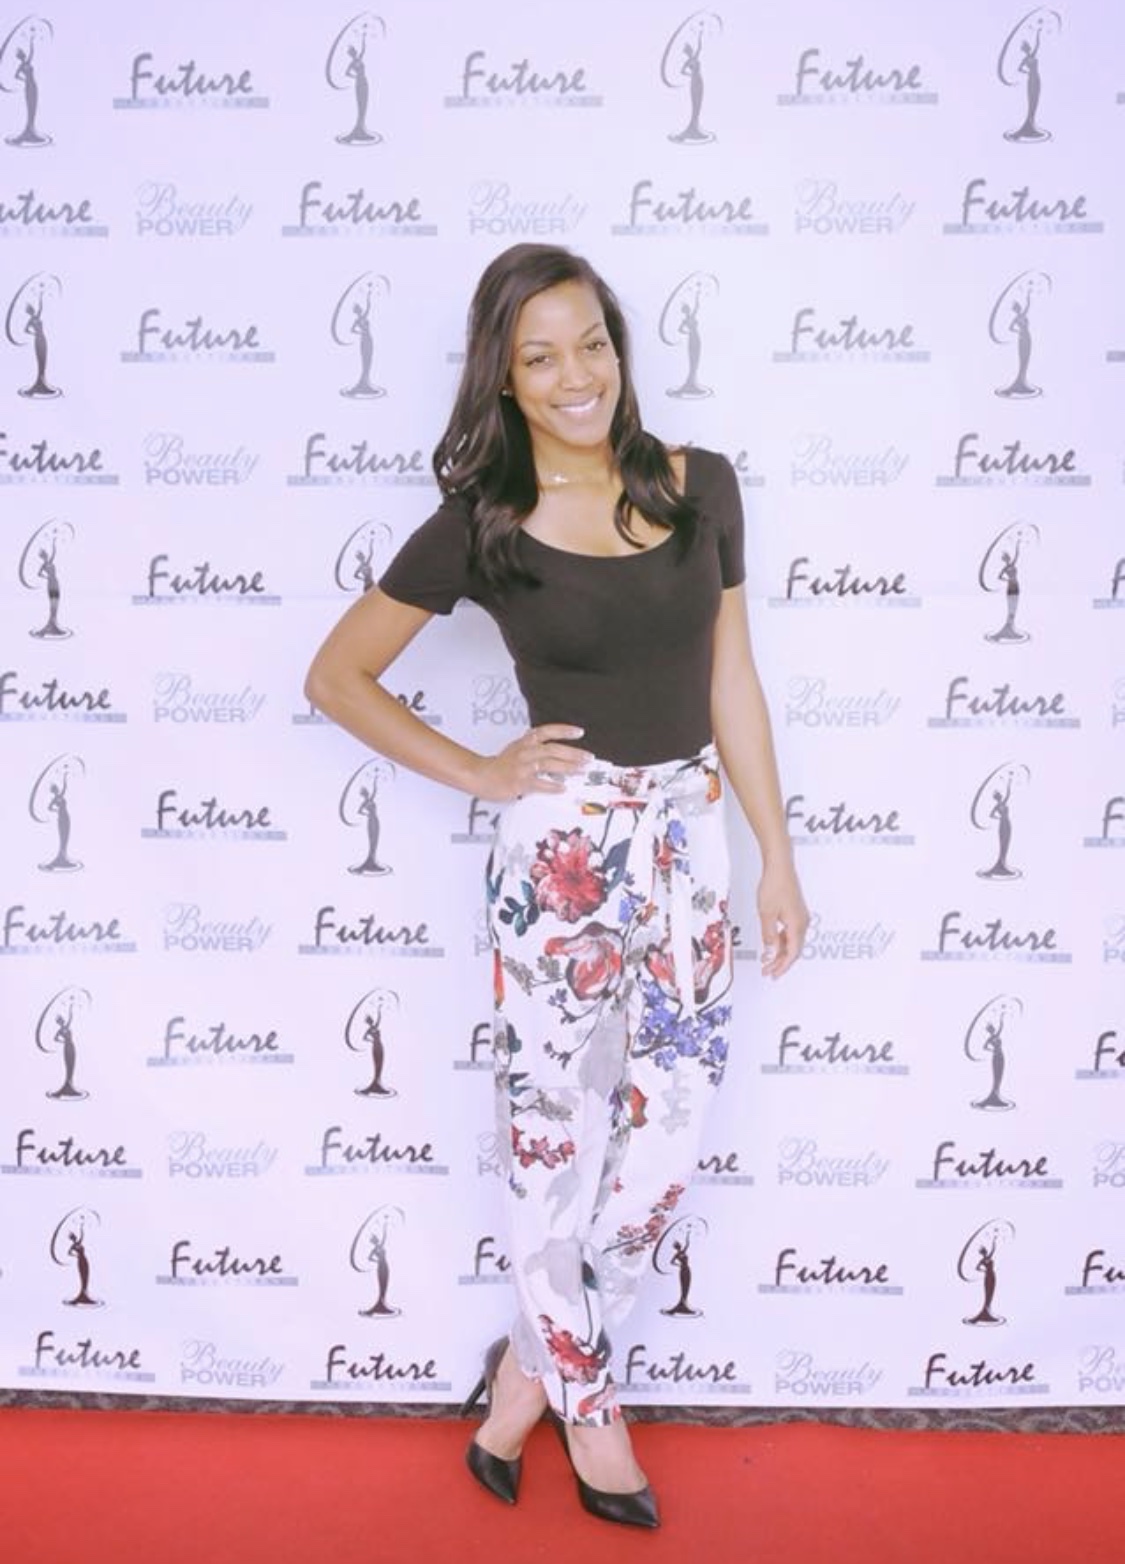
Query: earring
{"points": [[504, 391]]}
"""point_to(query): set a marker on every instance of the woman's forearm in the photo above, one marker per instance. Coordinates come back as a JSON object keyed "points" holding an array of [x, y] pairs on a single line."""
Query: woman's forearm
{"points": [[359, 703]]}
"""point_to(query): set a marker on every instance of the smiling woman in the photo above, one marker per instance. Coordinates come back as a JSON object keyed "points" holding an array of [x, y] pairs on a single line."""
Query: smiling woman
{"points": [[613, 568]]}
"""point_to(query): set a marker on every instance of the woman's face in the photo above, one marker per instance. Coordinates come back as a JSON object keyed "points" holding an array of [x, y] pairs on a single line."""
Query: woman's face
{"points": [[563, 373]]}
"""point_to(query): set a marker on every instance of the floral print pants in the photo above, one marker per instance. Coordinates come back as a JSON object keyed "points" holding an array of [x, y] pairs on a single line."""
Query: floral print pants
{"points": [[612, 944]]}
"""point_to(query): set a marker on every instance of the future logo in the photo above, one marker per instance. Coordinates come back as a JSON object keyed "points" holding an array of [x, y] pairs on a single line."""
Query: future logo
{"points": [[993, 803], [369, 1256], [346, 68], [25, 323], [1011, 319], [18, 75], [977, 1266], [352, 325], [1019, 64], [353, 571], [359, 806], [985, 1042], [54, 1034], [38, 570], [682, 65], [70, 1243], [672, 1255], [49, 803], [999, 572], [680, 324], [363, 1034]]}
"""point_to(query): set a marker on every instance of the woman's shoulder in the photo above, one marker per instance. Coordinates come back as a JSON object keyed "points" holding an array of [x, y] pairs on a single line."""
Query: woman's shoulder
{"points": [[701, 471]]}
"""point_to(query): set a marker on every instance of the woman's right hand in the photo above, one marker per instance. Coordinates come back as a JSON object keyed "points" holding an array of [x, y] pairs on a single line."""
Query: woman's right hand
{"points": [[537, 762]]}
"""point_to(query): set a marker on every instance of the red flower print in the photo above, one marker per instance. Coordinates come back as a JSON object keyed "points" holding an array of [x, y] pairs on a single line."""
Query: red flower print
{"points": [[565, 881], [595, 964], [710, 954], [658, 960], [599, 1401], [497, 979], [576, 1362]]}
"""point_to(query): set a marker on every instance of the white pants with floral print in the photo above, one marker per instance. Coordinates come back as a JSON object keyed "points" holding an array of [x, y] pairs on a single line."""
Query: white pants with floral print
{"points": [[608, 915]]}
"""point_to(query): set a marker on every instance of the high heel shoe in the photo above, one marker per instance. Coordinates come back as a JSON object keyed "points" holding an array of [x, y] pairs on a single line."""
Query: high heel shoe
{"points": [[500, 1477], [628, 1509]]}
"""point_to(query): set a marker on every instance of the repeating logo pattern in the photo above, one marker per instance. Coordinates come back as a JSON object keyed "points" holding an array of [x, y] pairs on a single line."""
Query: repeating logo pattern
{"points": [[245, 420]]}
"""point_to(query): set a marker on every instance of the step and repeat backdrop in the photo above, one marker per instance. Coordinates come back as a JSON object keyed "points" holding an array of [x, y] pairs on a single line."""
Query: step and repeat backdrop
{"points": [[870, 252]]}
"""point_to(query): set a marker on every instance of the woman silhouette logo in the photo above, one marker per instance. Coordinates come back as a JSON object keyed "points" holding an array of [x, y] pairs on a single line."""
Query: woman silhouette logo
{"points": [[347, 67], [682, 63], [1019, 62], [364, 1034], [354, 571], [984, 1040], [25, 321], [50, 800], [992, 804], [673, 1253], [679, 323], [69, 1242], [38, 570], [978, 1260], [18, 75], [352, 325], [359, 805], [369, 1254], [1011, 318], [999, 571], [54, 1033]]}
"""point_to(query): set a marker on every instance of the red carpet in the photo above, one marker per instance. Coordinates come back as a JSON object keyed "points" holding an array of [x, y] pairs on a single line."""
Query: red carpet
{"points": [[84, 1487]]}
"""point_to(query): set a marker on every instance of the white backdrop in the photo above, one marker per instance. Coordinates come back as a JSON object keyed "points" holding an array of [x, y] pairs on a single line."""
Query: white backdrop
{"points": [[867, 251]]}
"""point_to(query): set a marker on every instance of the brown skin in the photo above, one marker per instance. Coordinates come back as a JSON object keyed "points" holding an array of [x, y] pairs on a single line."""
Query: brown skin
{"points": [[565, 380]]}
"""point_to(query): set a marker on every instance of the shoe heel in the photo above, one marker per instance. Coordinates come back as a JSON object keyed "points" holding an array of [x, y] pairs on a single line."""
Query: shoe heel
{"points": [[500, 1477], [474, 1396], [627, 1509]]}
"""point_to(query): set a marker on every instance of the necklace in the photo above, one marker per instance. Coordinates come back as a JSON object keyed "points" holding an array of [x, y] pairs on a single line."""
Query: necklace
{"points": [[558, 479]]}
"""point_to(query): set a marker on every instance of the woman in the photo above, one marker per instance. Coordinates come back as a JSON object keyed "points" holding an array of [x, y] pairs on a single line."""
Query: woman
{"points": [[614, 570]]}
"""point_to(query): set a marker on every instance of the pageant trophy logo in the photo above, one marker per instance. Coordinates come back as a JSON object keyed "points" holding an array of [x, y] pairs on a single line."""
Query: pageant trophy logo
{"points": [[348, 70], [682, 67], [354, 571], [31, 309], [370, 1255], [19, 76], [1020, 66], [71, 1245], [1010, 324], [671, 1256], [680, 328], [992, 810], [977, 1267], [57, 1033], [999, 571], [359, 808], [985, 1045], [363, 1034], [49, 804], [39, 572], [353, 327]]}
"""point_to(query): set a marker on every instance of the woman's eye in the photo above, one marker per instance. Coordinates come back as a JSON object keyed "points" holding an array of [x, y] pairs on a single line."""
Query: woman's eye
{"points": [[595, 347]]}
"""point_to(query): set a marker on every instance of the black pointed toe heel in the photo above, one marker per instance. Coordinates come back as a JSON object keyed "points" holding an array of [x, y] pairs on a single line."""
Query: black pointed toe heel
{"points": [[500, 1477], [627, 1509]]}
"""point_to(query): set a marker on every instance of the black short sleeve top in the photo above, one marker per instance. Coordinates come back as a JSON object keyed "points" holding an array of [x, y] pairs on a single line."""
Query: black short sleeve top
{"points": [[620, 646]]}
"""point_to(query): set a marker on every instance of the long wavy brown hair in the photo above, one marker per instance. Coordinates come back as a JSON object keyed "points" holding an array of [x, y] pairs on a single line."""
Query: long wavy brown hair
{"points": [[485, 455]]}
